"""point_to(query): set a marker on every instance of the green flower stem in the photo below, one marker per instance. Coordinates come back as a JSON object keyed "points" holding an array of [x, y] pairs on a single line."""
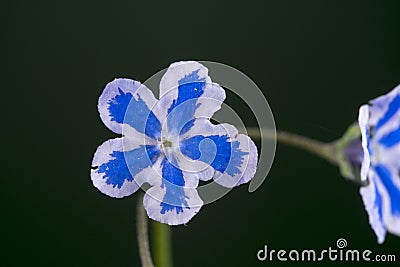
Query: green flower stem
{"points": [[326, 151], [161, 239], [142, 234], [162, 244]]}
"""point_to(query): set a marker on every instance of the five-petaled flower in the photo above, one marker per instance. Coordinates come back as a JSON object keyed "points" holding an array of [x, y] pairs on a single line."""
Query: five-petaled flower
{"points": [[169, 143], [379, 122]]}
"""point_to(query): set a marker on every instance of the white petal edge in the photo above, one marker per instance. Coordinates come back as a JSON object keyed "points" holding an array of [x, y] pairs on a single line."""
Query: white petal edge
{"points": [[210, 101], [368, 195], [152, 201], [203, 126], [177, 71], [363, 120]]}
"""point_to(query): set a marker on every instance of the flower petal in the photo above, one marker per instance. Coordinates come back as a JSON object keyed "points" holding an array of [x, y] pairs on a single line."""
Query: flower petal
{"points": [[205, 173], [388, 182], [373, 205], [117, 165], [390, 155], [363, 119], [390, 139], [233, 157], [384, 108], [126, 101], [172, 202], [186, 91]]}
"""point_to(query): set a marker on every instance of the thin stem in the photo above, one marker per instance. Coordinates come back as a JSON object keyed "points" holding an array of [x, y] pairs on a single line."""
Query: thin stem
{"points": [[324, 150], [162, 244], [143, 241]]}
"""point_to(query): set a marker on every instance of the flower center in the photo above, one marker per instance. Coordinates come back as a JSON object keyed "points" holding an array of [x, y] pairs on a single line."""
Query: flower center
{"points": [[167, 143]]}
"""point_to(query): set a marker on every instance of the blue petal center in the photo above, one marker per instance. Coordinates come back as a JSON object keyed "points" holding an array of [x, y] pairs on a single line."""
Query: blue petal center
{"points": [[174, 198], [218, 151], [125, 165], [124, 108], [182, 110]]}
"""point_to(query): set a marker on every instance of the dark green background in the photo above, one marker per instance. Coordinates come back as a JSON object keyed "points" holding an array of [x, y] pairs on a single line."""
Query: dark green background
{"points": [[316, 62]]}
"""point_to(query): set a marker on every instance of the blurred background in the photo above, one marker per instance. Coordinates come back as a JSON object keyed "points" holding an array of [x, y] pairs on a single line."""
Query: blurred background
{"points": [[316, 62]]}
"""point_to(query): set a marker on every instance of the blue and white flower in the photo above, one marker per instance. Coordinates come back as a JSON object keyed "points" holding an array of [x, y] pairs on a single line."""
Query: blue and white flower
{"points": [[380, 131], [169, 143]]}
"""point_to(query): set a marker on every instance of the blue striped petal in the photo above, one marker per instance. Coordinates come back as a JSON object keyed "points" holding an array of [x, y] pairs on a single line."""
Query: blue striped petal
{"points": [[218, 151], [392, 108], [187, 93], [172, 202], [233, 156], [181, 112], [387, 179], [114, 169], [379, 108], [390, 139], [125, 101], [382, 196]]}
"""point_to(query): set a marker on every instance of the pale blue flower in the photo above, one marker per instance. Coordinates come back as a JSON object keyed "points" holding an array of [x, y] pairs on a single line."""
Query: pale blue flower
{"points": [[169, 143], [380, 130]]}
